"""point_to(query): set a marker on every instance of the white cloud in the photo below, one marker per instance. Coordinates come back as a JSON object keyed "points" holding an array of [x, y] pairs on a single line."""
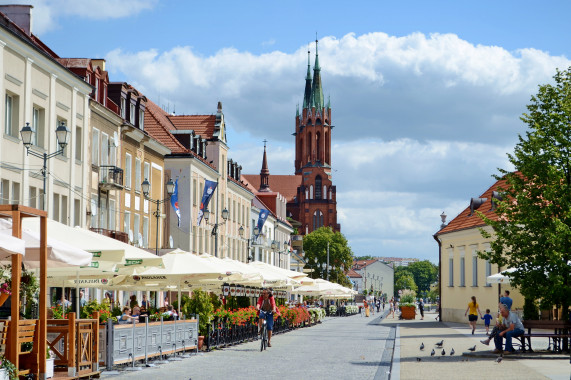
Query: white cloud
{"points": [[417, 86], [422, 122], [47, 13]]}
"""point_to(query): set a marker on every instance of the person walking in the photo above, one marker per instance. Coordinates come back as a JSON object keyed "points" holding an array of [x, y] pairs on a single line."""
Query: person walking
{"points": [[392, 307], [421, 308], [474, 310]]}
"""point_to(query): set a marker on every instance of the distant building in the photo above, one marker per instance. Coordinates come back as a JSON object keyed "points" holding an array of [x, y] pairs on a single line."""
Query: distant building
{"points": [[372, 275], [398, 261]]}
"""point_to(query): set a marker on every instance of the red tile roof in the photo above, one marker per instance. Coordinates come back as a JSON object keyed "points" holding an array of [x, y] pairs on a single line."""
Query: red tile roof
{"points": [[158, 125], [202, 125], [353, 274], [286, 185], [465, 221], [359, 264]]}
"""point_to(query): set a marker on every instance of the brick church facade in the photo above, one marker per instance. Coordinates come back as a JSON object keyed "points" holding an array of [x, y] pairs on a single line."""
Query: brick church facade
{"points": [[310, 193]]}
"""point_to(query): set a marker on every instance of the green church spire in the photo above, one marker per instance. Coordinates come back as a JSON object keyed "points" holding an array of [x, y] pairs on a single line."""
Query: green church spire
{"points": [[316, 90]]}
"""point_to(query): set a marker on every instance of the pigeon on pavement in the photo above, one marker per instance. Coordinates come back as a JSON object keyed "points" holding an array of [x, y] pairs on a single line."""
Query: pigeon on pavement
{"points": [[452, 352], [439, 344], [472, 348], [422, 346], [418, 359], [499, 359], [433, 352], [443, 352]]}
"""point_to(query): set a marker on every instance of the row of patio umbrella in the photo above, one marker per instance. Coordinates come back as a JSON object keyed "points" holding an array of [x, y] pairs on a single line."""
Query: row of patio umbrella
{"points": [[82, 258]]}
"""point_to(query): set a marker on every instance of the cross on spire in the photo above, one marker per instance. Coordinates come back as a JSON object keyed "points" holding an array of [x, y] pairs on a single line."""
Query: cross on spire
{"points": [[265, 141]]}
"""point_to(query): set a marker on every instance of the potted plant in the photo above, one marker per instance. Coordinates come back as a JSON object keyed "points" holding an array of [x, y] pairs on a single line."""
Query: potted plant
{"points": [[201, 305], [50, 359], [407, 306], [8, 371]]}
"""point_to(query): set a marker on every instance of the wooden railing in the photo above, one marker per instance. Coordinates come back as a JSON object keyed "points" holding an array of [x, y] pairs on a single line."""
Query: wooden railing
{"points": [[75, 343]]}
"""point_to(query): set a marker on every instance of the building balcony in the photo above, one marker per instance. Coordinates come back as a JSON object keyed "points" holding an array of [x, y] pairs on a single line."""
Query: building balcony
{"points": [[296, 241], [117, 235], [110, 177]]}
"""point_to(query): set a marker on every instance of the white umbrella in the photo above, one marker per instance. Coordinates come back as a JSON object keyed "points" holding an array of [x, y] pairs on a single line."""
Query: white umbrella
{"points": [[10, 245], [500, 278]]}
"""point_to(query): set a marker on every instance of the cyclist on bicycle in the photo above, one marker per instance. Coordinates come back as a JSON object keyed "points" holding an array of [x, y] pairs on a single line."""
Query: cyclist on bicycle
{"points": [[266, 306]]}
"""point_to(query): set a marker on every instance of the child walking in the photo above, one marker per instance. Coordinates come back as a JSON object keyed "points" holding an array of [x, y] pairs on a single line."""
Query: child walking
{"points": [[487, 319]]}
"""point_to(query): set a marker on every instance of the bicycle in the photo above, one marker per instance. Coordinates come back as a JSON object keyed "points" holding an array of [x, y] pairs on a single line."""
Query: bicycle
{"points": [[264, 331]]}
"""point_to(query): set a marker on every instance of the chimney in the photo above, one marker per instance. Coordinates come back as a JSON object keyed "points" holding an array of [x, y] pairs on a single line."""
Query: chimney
{"points": [[20, 15]]}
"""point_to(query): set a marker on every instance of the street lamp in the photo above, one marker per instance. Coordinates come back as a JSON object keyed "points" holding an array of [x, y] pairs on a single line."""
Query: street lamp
{"points": [[280, 252], [249, 240], [62, 135], [215, 226], [146, 187]]}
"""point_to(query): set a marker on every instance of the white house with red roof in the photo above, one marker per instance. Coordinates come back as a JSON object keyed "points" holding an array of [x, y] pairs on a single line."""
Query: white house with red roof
{"points": [[372, 275]]}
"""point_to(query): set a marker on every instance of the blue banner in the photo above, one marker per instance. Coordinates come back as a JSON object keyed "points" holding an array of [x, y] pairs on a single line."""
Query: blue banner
{"points": [[174, 201], [262, 219], [209, 187]]}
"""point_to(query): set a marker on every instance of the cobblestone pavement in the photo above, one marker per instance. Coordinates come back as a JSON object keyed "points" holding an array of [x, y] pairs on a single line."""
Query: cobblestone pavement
{"points": [[458, 336], [339, 348]]}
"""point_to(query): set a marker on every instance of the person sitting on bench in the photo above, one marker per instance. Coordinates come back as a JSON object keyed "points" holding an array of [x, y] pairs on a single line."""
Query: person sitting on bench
{"points": [[514, 328]]}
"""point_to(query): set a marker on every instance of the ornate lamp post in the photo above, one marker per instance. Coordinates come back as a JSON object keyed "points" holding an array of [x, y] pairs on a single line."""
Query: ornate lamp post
{"points": [[215, 226], [249, 240], [146, 186], [62, 135]]}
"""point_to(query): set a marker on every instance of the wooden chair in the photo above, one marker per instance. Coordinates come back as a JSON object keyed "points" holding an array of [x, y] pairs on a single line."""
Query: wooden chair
{"points": [[3, 337], [28, 333]]}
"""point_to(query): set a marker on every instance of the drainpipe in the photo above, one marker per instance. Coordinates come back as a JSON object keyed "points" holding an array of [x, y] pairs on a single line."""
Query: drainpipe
{"points": [[435, 236]]}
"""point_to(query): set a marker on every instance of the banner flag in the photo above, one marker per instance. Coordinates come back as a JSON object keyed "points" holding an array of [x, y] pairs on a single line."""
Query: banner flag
{"points": [[262, 219], [174, 201], [209, 187]]}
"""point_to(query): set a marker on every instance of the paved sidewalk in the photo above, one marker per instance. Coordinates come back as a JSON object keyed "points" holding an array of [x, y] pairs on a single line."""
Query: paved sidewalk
{"points": [[339, 348], [459, 337]]}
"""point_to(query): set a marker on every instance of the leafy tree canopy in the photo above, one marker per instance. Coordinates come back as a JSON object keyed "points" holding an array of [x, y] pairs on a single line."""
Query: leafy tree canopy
{"points": [[405, 281], [424, 273], [340, 254], [533, 230], [368, 257]]}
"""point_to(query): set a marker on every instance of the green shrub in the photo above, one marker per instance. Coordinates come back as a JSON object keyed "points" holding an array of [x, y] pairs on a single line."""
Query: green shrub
{"points": [[200, 304]]}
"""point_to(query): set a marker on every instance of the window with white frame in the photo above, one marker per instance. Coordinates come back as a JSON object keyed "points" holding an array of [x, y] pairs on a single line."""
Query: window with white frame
{"points": [[127, 222], [451, 271], [474, 269], [112, 213], [147, 174], [194, 192], [145, 232], [32, 201], [132, 113], [5, 192], [78, 144], [64, 210], [138, 174], [127, 170], [104, 149], [488, 271], [94, 210], [76, 212], [95, 147], [11, 114], [55, 207], [38, 125], [141, 120], [136, 229], [123, 108], [15, 193], [462, 271]]}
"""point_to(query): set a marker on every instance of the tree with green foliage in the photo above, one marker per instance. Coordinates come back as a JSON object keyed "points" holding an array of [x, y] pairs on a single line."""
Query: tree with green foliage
{"points": [[315, 246], [424, 273], [405, 281], [361, 258], [532, 233], [201, 305]]}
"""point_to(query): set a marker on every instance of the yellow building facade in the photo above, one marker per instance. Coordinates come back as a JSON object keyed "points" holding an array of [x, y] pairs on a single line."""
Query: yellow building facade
{"points": [[462, 273]]}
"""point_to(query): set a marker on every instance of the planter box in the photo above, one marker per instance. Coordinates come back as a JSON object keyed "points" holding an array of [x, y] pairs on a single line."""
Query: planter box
{"points": [[4, 375], [50, 368], [408, 312]]}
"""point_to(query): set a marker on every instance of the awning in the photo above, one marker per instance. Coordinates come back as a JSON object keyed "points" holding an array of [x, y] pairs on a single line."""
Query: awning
{"points": [[500, 278]]}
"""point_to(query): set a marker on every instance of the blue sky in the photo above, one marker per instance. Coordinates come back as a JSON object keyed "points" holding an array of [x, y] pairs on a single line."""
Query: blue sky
{"points": [[426, 96]]}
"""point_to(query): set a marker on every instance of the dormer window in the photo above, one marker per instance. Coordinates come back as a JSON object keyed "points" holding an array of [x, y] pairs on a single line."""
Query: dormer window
{"points": [[475, 204], [141, 120], [496, 196], [132, 113], [96, 89], [123, 108]]}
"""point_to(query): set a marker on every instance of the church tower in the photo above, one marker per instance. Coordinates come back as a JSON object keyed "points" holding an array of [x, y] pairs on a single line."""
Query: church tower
{"points": [[316, 196]]}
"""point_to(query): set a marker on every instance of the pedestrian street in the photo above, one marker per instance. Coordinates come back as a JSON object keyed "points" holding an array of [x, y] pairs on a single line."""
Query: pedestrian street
{"points": [[339, 348]]}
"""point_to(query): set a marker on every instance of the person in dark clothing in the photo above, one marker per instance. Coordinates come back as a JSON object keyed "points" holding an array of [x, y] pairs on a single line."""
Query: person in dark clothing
{"points": [[421, 308]]}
